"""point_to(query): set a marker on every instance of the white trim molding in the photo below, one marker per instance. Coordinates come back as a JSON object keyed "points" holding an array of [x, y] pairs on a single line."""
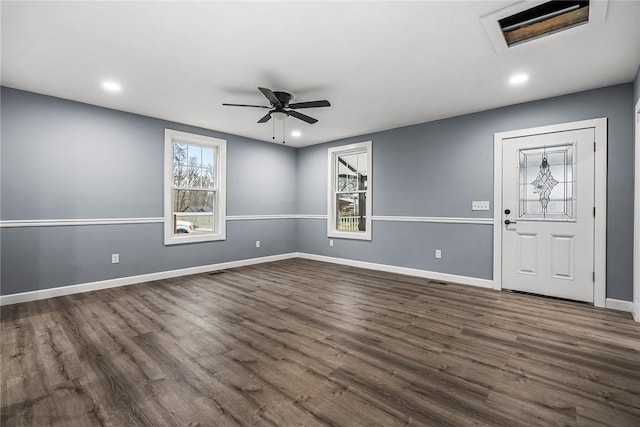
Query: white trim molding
{"points": [[310, 216], [600, 233], [620, 305], [150, 220], [69, 222], [259, 217], [433, 275], [612, 304], [636, 217], [435, 219], [155, 220], [132, 280]]}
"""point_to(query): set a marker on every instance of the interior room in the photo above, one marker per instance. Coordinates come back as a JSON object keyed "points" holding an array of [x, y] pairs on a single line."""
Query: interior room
{"points": [[320, 213]]}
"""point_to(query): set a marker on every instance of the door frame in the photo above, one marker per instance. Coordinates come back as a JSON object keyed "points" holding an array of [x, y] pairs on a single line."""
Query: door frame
{"points": [[636, 218], [600, 199]]}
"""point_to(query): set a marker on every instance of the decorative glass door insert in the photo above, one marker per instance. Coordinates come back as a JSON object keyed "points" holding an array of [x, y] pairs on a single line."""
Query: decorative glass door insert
{"points": [[547, 186]]}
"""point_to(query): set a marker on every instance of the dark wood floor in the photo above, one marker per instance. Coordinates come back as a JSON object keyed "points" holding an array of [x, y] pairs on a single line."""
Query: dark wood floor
{"points": [[300, 342]]}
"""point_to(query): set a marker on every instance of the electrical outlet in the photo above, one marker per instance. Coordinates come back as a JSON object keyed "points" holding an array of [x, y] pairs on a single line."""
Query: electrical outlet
{"points": [[331, 242], [438, 253], [115, 258], [257, 243], [482, 205]]}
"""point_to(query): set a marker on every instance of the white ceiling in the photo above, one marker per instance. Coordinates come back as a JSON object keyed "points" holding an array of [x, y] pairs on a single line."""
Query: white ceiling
{"points": [[381, 64]]}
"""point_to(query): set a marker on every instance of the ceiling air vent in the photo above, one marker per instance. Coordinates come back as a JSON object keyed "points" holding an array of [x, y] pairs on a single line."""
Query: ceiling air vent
{"points": [[542, 20], [534, 19]]}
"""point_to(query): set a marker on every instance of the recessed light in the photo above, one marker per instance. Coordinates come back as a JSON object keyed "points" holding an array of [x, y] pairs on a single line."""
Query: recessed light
{"points": [[296, 134], [111, 86], [518, 79]]}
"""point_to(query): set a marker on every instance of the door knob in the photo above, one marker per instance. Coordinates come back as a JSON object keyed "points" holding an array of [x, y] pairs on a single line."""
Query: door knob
{"points": [[507, 211], [507, 222]]}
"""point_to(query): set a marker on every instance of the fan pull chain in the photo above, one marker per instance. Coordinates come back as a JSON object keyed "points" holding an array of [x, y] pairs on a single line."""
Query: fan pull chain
{"points": [[283, 132], [273, 122]]}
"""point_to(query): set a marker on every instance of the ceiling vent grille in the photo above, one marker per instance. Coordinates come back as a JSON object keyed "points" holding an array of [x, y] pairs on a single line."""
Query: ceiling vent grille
{"points": [[545, 19], [530, 20]]}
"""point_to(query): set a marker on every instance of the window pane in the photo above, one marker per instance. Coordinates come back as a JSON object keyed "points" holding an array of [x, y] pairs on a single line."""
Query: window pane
{"points": [[193, 201], [351, 213], [193, 224], [208, 178], [179, 153], [352, 172], [188, 169], [195, 155], [193, 211], [208, 157], [192, 179], [180, 174]]}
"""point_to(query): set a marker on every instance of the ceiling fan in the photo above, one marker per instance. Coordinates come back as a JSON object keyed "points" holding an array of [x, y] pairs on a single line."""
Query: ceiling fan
{"points": [[281, 108]]}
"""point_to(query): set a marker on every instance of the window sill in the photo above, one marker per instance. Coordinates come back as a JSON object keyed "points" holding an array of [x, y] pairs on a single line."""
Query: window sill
{"points": [[180, 240], [354, 235]]}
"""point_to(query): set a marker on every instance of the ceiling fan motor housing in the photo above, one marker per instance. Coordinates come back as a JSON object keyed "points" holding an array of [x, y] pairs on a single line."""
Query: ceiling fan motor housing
{"points": [[283, 97]]}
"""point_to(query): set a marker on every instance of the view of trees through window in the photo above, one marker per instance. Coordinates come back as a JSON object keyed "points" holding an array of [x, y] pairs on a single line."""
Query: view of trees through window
{"points": [[194, 188]]}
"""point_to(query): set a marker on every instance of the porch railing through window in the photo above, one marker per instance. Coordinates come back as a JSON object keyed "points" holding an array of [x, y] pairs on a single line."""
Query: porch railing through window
{"points": [[351, 223]]}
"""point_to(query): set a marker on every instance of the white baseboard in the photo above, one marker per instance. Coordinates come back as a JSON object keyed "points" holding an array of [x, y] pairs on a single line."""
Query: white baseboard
{"points": [[131, 280], [611, 303], [433, 275], [617, 304]]}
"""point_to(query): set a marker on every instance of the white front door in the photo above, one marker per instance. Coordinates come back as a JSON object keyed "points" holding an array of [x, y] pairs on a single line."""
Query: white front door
{"points": [[548, 214]]}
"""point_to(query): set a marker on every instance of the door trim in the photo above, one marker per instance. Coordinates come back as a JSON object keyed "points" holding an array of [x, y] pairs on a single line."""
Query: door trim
{"points": [[636, 218], [600, 175]]}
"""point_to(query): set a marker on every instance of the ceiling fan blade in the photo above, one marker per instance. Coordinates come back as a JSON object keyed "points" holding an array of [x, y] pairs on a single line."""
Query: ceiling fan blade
{"points": [[302, 117], [245, 105], [310, 104], [270, 96], [265, 118]]}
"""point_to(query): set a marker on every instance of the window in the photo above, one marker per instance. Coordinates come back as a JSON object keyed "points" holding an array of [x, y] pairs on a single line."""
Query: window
{"points": [[349, 200], [547, 183], [194, 188]]}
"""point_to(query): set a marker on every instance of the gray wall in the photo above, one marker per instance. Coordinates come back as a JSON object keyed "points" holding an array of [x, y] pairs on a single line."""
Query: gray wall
{"points": [[438, 168], [636, 87], [62, 159]]}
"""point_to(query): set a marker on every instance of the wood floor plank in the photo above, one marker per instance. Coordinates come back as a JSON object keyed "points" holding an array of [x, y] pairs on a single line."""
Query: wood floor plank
{"points": [[306, 343]]}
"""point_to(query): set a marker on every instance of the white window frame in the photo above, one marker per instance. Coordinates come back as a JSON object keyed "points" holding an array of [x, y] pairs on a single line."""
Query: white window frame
{"points": [[333, 154], [219, 212]]}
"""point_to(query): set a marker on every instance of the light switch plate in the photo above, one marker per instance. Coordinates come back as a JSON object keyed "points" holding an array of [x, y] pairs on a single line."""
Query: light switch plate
{"points": [[482, 205]]}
